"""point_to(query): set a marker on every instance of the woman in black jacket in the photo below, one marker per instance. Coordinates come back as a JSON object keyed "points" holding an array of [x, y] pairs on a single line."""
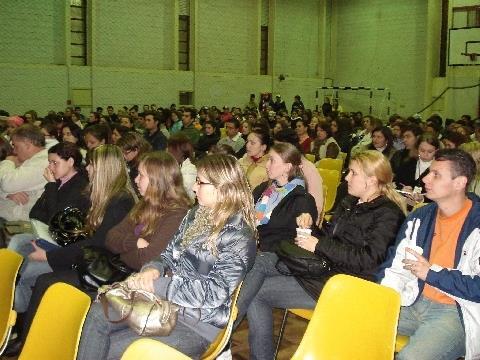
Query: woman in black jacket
{"points": [[111, 196], [66, 187], [364, 227]]}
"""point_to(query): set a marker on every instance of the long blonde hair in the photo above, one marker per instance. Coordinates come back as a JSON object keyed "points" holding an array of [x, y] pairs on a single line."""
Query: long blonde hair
{"points": [[109, 178], [165, 190], [374, 163], [233, 193]]}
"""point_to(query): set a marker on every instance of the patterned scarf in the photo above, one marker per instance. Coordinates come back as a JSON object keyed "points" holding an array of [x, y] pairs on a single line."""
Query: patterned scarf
{"points": [[271, 197]]}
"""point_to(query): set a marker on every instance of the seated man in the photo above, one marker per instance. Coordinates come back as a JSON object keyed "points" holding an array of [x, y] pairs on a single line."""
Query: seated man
{"points": [[234, 137], [21, 175], [435, 265]]}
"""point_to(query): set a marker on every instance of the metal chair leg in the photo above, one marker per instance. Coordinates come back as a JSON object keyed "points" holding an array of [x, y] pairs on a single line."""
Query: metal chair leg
{"points": [[280, 334]]}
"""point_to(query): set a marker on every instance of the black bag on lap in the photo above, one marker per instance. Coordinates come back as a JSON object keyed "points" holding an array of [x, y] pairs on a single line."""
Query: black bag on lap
{"points": [[300, 262], [67, 226], [100, 267]]}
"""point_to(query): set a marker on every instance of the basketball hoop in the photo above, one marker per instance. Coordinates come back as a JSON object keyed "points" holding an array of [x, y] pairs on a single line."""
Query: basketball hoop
{"points": [[472, 56]]}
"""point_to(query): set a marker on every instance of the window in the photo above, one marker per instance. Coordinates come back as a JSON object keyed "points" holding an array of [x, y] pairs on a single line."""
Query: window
{"points": [[185, 98], [78, 32], [184, 42], [264, 50], [466, 16]]}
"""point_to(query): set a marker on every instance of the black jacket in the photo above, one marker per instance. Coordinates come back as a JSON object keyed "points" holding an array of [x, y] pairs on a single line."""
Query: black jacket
{"points": [[73, 193], [283, 224], [358, 240], [64, 258], [405, 175], [157, 140]]}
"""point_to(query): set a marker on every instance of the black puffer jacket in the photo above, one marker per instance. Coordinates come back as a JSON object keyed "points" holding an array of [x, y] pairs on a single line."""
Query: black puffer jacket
{"points": [[358, 239]]}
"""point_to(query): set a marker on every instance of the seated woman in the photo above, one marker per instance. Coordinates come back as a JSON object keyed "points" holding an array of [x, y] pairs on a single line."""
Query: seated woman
{"points": [[324, 145], [143, 234], [304, 141], [254, 161], [411, 172], [133, 146], [208, 138], [96, 135], [200, 269], [382, 140], [66, 186], [364, 226], [111, 198], [181, 148]]}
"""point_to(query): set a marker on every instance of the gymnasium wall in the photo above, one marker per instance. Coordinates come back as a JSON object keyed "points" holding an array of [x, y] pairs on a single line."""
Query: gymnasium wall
{"points": [[133, 53]]}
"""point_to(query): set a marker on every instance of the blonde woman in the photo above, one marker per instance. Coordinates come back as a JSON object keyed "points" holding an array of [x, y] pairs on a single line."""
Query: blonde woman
{"points": [[473, 148], [364, 226], [203, 264], [111, 198]]}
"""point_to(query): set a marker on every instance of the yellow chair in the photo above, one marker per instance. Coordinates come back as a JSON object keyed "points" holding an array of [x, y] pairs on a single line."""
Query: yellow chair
{"points": [[331, 179], [400, 342], [150, 350], [10, 263], [353, 319], [223, 133], [331, 164], [56, 328], [343, 156], [310, 157]]}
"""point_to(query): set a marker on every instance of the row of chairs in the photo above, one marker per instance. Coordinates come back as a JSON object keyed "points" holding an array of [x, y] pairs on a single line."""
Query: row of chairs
{"points": [[349, 311], [353, 319], [57, 337], [50, 337]]}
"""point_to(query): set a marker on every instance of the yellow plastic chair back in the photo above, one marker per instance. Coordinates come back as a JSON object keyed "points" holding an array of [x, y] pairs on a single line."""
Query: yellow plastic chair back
{"points": [[331, 164], [401, 342], [331, 179], [353, 319], [10, 263], [149, 349], [223, 133], [152, 350], [310, 157], [223, 337], [56, 328]]}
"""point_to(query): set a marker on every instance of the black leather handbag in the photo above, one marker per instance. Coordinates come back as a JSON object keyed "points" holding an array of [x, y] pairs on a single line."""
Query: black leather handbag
{"points": [[300, 262], [100, 267], [67, 226]]}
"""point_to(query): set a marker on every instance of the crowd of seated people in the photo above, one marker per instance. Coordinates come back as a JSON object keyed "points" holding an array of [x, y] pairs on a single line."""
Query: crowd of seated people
{"points": [[195, 202]]}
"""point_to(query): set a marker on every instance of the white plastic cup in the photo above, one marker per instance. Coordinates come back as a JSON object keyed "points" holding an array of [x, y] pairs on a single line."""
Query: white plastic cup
{"points": [[410, 256], [301, 232]]}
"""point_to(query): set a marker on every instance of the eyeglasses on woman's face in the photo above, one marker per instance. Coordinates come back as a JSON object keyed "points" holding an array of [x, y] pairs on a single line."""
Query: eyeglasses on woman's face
{"points": [[200, 182]]}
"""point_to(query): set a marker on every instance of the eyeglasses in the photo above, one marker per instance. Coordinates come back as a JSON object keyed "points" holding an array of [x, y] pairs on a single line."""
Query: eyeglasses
{"points": [[200, 182]]}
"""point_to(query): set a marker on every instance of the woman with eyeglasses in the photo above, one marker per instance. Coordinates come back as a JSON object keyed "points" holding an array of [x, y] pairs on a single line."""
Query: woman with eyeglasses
{"points": [[202, 266]]}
